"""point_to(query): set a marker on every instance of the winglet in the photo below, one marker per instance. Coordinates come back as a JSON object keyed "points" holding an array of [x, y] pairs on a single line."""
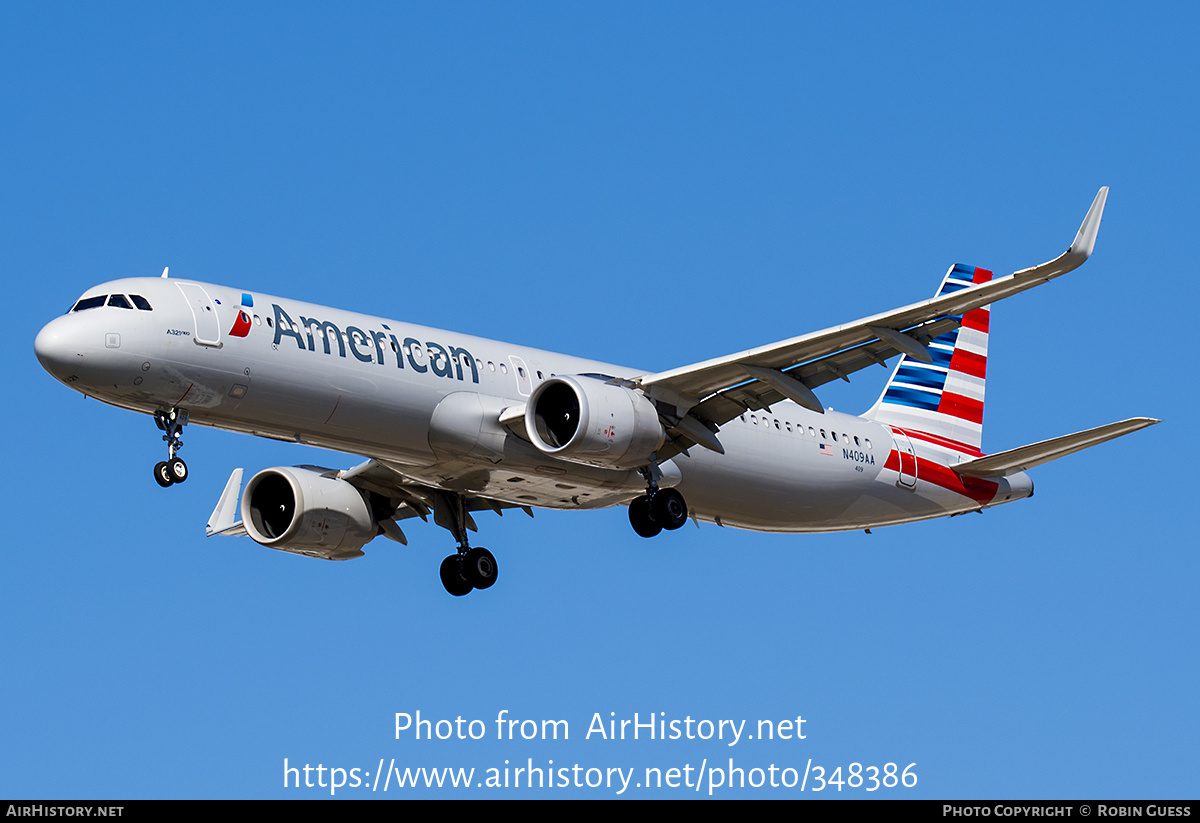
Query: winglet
{"points": [[1074, 257], [224, 517], [1085, 241]]}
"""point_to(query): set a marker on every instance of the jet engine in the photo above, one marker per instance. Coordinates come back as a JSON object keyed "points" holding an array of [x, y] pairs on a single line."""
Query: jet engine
{"points": [[306, 512], [586, 420]]}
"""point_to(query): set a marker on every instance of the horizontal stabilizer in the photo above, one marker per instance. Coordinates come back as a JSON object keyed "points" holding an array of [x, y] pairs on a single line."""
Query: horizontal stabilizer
{"points": [[1035, 454], [224, 519]]}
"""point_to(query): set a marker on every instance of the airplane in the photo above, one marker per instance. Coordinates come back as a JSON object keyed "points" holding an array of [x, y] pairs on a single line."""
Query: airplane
{"points": [[452, 425]]}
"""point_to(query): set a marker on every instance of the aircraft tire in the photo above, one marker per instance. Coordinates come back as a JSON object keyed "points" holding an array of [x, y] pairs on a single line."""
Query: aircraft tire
{"points": [[640, 518], [452, 578], [479, 568], [669, 509], [162, 475], [177, 469]]}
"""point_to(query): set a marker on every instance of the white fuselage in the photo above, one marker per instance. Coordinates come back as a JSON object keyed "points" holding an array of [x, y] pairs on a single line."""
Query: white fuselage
{"points": [[427, 402]]}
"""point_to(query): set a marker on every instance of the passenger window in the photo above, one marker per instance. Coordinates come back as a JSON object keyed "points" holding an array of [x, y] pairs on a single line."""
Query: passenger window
{"points": [[141, 302], [90, 303]]}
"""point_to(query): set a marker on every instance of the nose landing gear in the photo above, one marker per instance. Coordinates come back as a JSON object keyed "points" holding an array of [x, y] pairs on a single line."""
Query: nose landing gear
{"points": [[173, 469]]}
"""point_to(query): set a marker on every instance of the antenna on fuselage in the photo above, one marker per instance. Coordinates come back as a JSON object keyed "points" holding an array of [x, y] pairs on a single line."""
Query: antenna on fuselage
{"points": [[165, 270]]}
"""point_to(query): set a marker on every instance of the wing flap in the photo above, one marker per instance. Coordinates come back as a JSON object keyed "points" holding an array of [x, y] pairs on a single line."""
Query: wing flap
{"points": [[1026, 457], [757, 394], [418, 499]]}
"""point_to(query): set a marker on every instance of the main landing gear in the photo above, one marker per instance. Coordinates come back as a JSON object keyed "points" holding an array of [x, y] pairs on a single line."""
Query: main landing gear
{"points": [[173, 469], [469, 568], [657, 509]]}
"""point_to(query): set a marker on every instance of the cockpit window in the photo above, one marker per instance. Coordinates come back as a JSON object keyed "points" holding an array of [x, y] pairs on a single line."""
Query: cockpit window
{"points": [[119, 301], [141, 302], [90, 303]]}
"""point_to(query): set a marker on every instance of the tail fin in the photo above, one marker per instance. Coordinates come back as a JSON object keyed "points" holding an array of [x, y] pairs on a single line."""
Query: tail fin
{"points": [[944, 399]]}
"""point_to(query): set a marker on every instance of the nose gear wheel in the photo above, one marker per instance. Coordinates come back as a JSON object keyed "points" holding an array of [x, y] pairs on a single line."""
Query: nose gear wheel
{"points": [[173, 469]]}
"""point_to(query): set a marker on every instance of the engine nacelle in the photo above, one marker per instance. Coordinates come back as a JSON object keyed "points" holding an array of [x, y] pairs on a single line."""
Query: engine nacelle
{"points": [[299, 510], [585, 420]]}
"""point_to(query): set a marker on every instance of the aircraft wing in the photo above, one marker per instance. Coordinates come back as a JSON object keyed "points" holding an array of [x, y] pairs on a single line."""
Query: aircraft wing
{"points": [[410, 498], [419, 499], [716, 391]]}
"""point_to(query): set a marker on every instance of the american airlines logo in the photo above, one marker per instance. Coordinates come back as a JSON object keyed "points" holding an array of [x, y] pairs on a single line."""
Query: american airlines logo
{"points": [[369, 346], [241, 326]]}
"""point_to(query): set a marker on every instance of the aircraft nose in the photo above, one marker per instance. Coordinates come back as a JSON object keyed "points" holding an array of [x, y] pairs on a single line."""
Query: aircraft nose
{"points": [[56, 348]]}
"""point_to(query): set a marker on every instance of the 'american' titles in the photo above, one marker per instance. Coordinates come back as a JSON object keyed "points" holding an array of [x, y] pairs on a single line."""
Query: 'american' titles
{"points": [[369, 346]]}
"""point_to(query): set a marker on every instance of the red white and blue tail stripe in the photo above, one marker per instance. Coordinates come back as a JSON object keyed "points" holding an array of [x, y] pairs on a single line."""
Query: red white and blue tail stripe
{"points": [[944, 399]]}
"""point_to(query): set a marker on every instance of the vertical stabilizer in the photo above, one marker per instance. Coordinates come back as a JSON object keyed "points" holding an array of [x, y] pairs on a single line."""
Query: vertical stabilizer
{"points": [[944, 399]]}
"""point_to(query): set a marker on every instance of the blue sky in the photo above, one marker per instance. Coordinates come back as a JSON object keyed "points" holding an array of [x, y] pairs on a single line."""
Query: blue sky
{"points": [[649, 184]]}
